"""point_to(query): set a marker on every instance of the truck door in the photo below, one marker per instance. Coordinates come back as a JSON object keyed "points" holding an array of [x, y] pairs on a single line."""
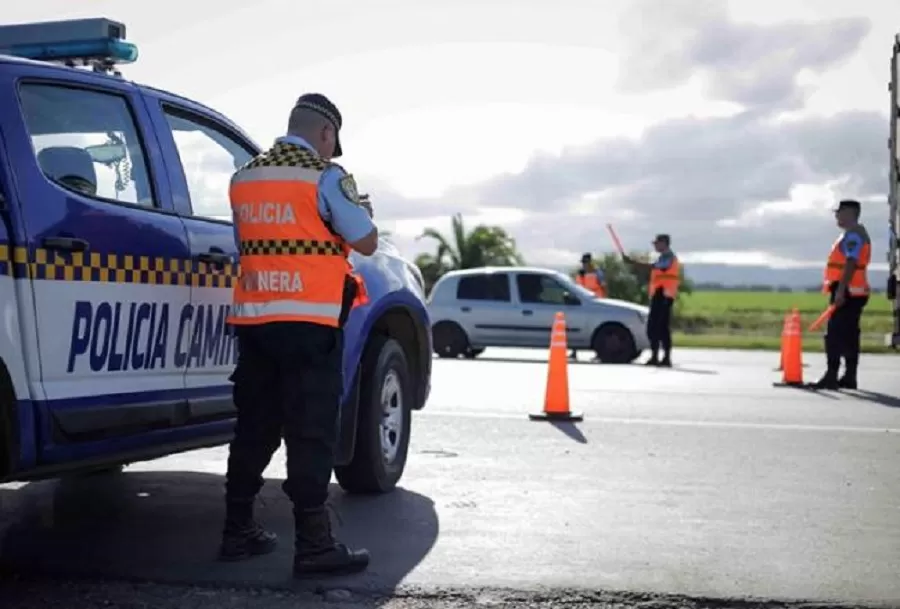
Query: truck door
{"points": [[18, 350], [893, 293], [203, 153], [107, 260]]}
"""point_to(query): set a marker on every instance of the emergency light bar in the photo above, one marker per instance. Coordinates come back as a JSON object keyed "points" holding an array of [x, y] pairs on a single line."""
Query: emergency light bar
{"points": [[99, 43]]}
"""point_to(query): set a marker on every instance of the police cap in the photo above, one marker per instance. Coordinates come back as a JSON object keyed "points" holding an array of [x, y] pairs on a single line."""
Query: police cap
{"points": [[586, 257], [662, 237], [848, 204], [322, 105]]}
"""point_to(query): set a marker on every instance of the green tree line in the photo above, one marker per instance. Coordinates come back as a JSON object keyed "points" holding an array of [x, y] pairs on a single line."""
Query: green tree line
{"points": [[486, 245]]}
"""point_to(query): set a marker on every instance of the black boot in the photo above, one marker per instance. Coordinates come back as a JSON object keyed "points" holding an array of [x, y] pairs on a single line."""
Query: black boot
{"points": [[848, 381], [317, 553], [243, 537], [830, 379]]}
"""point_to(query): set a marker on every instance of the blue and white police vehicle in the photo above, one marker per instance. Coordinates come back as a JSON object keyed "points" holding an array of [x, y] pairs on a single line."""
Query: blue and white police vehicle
{"points": [[117, 258]]}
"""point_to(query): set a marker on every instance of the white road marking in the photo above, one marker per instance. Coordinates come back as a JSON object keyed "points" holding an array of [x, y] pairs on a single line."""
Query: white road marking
{"points": [[668, 422]]}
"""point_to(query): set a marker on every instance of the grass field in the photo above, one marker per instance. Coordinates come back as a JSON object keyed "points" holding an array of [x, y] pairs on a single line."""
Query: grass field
{"points": [[753, 320]]}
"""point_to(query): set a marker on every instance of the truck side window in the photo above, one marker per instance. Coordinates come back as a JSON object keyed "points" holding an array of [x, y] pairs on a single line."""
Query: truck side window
{"points": [[209, 157], [88, 142]]}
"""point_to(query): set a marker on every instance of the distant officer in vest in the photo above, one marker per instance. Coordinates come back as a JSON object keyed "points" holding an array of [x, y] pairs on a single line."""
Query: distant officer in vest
{"points": [[665, 278], [297, 215], [591, 278], [847, 283]]}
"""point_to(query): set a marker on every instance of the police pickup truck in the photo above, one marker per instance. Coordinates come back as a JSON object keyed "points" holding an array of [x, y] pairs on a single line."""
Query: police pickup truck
{"points": [[893, 287], [117, 258]]}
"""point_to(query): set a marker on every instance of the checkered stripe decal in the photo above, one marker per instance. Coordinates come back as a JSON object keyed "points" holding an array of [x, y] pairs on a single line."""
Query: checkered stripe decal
{"points": [[289, 247], [50, 265]]}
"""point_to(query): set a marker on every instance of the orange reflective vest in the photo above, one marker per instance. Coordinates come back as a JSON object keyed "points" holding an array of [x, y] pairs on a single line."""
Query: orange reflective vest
{"points": [[590, 281], [292, 266], [362, 296], [837, 261], [668, 279]]}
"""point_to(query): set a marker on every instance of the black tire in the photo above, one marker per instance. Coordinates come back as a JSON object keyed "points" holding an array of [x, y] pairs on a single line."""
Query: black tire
{"points": [[449, 340], [372, 470], [473, 353], [614, 344]]}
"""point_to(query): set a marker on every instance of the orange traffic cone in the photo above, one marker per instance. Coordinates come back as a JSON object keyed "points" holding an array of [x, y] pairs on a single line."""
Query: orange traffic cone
{"points": [[556, 398], [784, 332], [792, 353]]}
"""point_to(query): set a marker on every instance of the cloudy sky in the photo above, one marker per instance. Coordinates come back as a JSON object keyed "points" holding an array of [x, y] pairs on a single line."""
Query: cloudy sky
{"points": [[734, 125]]}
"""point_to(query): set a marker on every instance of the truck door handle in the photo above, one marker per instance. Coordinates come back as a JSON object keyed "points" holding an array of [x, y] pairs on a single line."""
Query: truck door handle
{"points": [[214, 257], [527, 312], [465, 309], [69, 244]]}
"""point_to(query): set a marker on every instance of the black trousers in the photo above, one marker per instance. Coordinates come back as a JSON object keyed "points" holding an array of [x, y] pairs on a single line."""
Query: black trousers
{"points": [[659, 323], [288, 381], [842, 337]]}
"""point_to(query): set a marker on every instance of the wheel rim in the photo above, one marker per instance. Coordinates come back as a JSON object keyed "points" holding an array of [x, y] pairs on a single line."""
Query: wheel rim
{"points": [[391, 416], [613, 343]]}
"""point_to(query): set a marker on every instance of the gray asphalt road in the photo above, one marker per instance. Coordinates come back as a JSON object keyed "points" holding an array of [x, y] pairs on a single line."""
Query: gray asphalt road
{"points": [[704, 480]]}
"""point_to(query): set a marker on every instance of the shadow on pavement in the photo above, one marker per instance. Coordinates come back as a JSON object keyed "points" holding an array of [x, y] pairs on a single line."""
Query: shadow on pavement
{"points": [[513, 360], [571, 430], [165, 527], [806, 387], [693, 370], [875, 397]]}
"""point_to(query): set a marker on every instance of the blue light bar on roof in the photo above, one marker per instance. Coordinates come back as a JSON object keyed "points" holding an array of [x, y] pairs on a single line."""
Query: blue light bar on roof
{"points": [[78, 39]]}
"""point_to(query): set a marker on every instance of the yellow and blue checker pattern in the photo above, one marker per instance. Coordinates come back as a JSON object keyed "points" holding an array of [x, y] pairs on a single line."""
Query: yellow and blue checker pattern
{"points": [[50, 265]]}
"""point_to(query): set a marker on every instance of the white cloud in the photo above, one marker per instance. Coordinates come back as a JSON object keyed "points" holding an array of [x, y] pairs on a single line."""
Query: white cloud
{"points": [[732, 125]]}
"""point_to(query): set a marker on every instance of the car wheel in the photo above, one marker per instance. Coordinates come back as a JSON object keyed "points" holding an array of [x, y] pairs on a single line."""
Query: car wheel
{"points": [[473, 353], [382, 431], [450, 341], [614, 344]]}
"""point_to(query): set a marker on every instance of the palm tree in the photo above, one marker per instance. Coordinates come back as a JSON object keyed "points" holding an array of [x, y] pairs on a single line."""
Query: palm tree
{"points": [[483, 246]]}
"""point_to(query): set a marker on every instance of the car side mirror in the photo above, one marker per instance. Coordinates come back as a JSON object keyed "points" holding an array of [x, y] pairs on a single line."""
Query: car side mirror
{"points": [[570, 300]]}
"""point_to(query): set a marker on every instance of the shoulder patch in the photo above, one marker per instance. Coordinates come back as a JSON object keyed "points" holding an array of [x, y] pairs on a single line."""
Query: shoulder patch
{"points": [[348, 187]]}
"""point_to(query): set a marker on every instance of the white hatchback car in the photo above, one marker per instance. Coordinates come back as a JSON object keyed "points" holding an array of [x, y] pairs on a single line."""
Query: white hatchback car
{"points": [[515, 307]]}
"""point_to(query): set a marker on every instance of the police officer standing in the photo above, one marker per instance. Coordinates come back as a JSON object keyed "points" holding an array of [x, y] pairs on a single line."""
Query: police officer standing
{"points": [[847, 284], [296, 215], [665, 278], [592, 279]]}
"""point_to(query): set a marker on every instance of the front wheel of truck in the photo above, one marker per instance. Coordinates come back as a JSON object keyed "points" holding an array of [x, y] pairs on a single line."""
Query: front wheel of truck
{"points": [[382, 432]]}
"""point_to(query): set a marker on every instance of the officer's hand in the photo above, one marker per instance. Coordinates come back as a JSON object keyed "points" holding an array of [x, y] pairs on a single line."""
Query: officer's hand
{"points": [[839, 298], [366, 204]]}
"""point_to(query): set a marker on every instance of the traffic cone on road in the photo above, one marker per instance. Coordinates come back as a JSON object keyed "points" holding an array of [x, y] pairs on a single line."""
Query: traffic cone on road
{"points": [[792, 352], [784, 331], [556, 397]]}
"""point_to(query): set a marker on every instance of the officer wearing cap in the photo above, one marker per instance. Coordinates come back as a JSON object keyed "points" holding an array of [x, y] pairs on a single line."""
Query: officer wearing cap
{"points": [[847, 283], [665, 278], [297, 215], [591, 278]]}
